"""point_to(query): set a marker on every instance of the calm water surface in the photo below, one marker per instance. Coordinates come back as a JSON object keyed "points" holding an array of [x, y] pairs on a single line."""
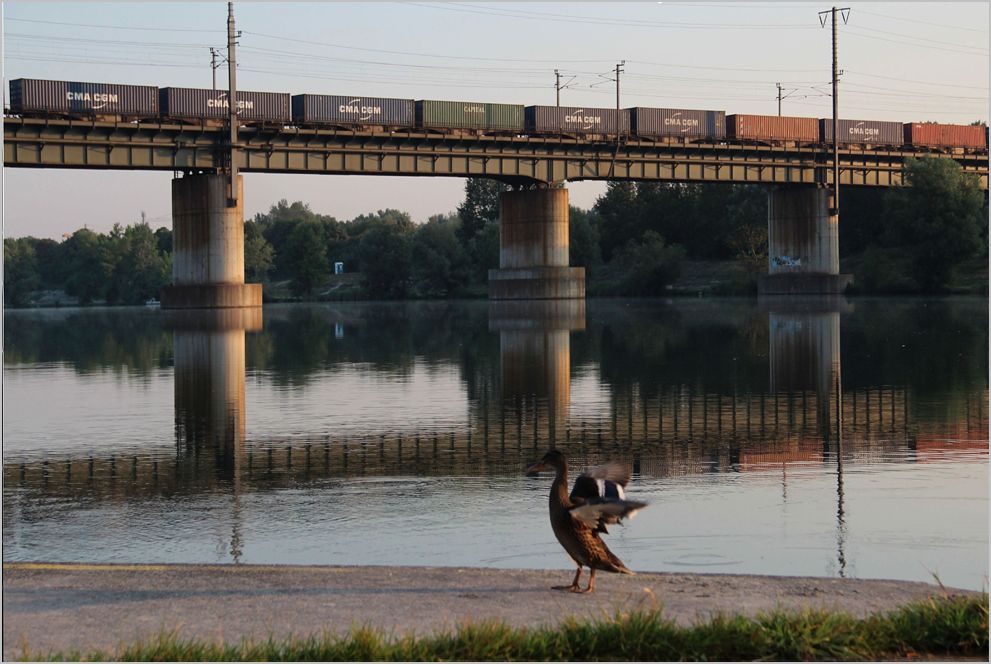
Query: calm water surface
{"points": [[800, 438]]}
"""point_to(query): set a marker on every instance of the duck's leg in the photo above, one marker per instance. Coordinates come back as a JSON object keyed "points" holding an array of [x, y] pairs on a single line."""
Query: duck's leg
{"points": [[591, 580], [574, 584]]}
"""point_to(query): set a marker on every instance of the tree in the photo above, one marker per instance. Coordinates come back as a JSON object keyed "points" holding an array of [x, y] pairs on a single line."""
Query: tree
{"points": [[937, 220], [618, 211], [306, 257], [88, 265], [480, 206], [258, 254], [163, 236], [140, 270], [583, 239], [440, 261], [20, 271], [386, 261], [648, 265]]}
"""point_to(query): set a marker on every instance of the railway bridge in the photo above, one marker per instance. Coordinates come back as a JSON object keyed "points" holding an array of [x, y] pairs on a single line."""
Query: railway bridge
{"points": [[208, 266]]}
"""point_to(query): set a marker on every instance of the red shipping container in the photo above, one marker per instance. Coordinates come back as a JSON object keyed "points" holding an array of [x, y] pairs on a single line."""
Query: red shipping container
{"points": [[946, 135], [772, 128]]}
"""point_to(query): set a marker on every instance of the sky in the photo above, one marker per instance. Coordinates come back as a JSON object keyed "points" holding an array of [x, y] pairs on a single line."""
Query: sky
{"points": [[901, 61]]}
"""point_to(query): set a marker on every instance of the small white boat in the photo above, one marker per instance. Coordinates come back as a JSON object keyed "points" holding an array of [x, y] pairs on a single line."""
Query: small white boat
{"points": [[152, 303]]}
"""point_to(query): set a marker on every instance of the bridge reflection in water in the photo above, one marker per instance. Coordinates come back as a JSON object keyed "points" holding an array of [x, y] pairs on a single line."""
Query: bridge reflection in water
{"points": [[805, 416]]}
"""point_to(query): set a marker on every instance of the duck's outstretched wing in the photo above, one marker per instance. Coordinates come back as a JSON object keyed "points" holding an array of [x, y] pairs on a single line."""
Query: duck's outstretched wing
{"points": [[597, 513], [605, 481], [599, 496]]}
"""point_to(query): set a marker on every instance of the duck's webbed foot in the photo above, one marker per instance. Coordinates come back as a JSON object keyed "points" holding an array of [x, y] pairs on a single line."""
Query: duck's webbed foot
{"points": [[574, 587], [591, 581]]}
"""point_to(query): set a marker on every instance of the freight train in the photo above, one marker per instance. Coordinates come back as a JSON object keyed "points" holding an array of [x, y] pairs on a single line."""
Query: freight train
{"points": [[138, 103]]}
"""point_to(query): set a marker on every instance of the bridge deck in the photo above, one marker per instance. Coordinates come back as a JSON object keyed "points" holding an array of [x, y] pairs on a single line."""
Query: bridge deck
{"points": [[39, 143]]}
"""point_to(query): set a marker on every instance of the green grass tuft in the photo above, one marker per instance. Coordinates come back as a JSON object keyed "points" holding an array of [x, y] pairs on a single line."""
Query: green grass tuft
{"points": [[952, 625]]}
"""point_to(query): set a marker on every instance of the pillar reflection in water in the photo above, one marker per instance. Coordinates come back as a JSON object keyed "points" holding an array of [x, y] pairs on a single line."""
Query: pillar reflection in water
{"points": [[535, 357], [208, 347], [805, 356]]}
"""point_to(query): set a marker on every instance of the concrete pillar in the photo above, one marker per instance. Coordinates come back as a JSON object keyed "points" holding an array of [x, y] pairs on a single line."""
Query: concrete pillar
{"points": [[805, 353], [208, 347], [207, 247], [533, 248], [535, 355], [803, 244]]}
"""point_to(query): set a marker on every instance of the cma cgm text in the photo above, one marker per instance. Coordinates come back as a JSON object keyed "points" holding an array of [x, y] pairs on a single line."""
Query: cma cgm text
{"points": [[223, 103], [104, 97]]}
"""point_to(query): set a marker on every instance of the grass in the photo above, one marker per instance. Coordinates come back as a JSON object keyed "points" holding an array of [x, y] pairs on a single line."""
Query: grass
{"points": [[954, 626]]}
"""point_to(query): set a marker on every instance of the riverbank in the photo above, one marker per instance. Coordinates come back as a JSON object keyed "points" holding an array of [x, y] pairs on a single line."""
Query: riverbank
{"points": [[55, 607]]}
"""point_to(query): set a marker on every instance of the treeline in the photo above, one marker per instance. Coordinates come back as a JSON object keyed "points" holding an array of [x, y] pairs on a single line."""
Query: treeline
{"points": [[632, 242], [125, 266]]}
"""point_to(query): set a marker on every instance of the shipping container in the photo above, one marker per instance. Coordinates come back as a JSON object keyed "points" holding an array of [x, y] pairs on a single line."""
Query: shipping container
{"points": [[180, 103], [873, 132], [575, 120], [469, 115], [771, 128], [945, 135], [678, 122], [336, 109], [29, 95]]}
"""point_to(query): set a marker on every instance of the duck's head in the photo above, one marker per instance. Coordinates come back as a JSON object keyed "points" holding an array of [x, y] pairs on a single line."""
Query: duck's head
{"points": [[553, 460]]}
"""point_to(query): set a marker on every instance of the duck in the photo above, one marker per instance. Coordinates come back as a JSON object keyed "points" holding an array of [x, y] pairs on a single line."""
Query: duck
{"points": [[578, 519]]}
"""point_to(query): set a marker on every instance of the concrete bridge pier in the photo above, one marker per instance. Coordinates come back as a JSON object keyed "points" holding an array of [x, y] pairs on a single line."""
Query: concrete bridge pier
{"points": [[207, 247], [805, 353], [533, 248], [209, 350], [535, 356], [803, 244]]}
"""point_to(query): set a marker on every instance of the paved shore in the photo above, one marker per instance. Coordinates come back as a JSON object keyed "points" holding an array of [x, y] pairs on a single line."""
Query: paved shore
{"points": [[56, 607]]}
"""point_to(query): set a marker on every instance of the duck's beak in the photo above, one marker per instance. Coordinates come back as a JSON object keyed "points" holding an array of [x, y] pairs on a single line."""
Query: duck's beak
{"points": [[536, 468]]}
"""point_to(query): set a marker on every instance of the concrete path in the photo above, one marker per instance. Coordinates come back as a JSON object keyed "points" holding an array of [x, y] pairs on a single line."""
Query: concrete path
{"points": [[55, 607]]}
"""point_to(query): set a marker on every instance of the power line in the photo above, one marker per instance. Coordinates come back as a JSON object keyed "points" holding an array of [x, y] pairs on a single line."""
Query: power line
{"points": [[422, 55], [932, 41], [564, 18], [904, 43], [110, 27], [912, 80], [926, 23]]}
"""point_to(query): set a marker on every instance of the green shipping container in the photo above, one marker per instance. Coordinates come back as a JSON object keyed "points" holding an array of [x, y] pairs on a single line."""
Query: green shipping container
{"points": [[469, 115]]}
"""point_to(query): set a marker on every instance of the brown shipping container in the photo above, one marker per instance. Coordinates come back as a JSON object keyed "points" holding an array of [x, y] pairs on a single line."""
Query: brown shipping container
{"points": [[199, 103], [678, 122], [772, 128], [575, 119], [873, 132], [946, 135], [29, 95]]}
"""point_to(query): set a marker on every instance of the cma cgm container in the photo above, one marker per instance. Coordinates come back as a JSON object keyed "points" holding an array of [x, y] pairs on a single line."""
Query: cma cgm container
{"points": [[575, 120], [772, 128], [678, 122], [861, 131], [469, 115], [28, 95], [945, 135], [197, 103], [336, 109]]}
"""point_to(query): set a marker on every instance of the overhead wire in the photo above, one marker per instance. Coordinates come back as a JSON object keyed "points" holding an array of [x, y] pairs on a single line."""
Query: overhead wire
{"points": [[600, 21], [691, 87]]}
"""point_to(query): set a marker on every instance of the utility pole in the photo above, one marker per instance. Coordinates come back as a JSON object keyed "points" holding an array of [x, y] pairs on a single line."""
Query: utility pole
{"points": [[557, 85], [213, 65], [779, 99], [619, 128], [845, 12], [232, 99]]}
